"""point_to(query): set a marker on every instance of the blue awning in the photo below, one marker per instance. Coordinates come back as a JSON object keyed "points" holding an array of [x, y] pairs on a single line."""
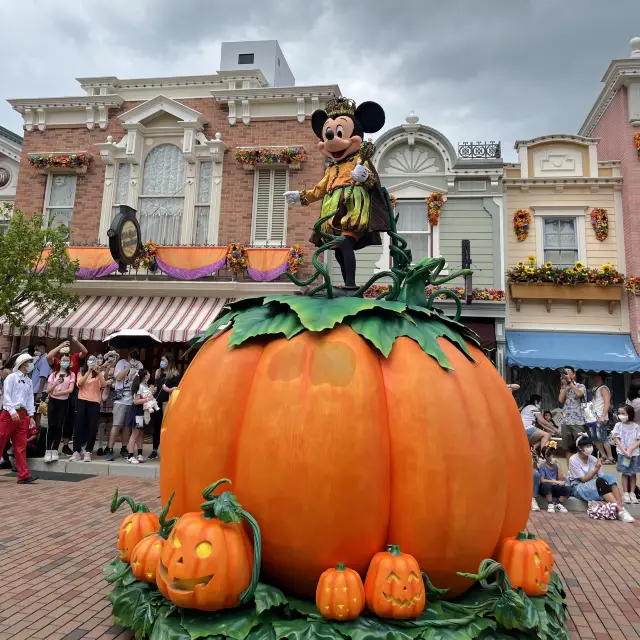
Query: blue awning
{"points": [[586, 351]]}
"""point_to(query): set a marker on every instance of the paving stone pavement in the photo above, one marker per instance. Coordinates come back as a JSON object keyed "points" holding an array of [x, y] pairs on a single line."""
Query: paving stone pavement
{"points": [[55, 537]]}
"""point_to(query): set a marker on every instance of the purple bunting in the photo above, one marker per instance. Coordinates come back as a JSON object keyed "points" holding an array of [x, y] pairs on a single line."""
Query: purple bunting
{"points": [[190, 274], [267, 276]]}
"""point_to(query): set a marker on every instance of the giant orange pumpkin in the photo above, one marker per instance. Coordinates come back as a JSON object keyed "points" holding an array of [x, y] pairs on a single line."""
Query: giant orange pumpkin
{"points": [[135, 526], [338, 450], [528, 561], [208, 562]]}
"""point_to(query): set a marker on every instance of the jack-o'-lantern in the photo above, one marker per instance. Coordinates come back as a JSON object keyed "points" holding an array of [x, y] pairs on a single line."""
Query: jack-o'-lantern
{"points": [[340, 593], [208, 562], [146, 554], [335, 419], [394, 587], [528, 562], [135, 526]]}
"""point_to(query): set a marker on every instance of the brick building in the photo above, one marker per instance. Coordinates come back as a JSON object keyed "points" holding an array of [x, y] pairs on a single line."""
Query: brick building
{"points": [[614, 120], [184, 152]]}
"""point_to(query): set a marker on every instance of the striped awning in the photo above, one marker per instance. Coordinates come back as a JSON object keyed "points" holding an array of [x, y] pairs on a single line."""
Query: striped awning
{"points": [[171, 319]]}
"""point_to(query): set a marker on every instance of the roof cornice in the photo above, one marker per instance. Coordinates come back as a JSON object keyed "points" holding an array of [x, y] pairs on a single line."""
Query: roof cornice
{"points": [[556, 137], [618, 74], [78, 102], [276, 93]]}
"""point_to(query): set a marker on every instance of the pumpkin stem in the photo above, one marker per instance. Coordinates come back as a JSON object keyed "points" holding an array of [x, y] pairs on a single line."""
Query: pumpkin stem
{"points": [[395, 550], [208, 492], [532, 536], [225, 507], [522, 535], [340, 566], [249, 592], [166, 525], [431, 589], [136, 507]]}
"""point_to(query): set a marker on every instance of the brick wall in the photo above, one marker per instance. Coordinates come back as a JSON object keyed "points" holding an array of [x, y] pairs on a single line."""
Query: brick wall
{"points": [[616, 143], [237, 185]]}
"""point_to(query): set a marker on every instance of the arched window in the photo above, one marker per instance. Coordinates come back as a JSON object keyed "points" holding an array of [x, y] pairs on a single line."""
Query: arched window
{"points": [[162, 197]]}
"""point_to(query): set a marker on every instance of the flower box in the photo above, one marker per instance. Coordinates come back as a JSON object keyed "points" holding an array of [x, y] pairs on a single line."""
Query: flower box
{"points": [[60, 162], [578, 292]]}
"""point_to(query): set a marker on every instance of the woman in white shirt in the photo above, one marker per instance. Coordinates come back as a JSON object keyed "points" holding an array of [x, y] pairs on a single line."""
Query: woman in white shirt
{"points": [[532, 418]]}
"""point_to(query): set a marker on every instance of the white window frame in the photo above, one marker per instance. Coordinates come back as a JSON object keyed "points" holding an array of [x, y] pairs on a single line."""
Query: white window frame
{"points": [[272, 195], [541, 213], [47, 197], [197, 204], [430, 232]]}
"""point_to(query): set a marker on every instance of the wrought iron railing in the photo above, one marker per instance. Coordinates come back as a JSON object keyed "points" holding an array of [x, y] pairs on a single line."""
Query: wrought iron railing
{"points": [[479, 150]]}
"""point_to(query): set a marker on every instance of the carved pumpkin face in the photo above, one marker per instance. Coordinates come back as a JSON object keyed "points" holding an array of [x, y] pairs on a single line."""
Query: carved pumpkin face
{"points": [[528, 562], [394, 586], [205, 563], [145, 558], [340, 594]]}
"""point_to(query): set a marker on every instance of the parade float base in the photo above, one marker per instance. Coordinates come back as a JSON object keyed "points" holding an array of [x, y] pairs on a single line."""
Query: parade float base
{"points": [[488, 611]]}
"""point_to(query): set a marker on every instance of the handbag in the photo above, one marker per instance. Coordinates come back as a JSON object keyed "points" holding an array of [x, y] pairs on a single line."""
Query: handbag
{"points": [[602, 510], [589, 413]]}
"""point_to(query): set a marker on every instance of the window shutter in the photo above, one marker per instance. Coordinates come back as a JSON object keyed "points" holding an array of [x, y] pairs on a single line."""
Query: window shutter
{"points": [[270, 210], [278, 233]]}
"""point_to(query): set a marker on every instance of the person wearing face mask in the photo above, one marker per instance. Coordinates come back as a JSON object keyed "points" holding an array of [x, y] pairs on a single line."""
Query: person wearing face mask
{"points": [[106, 406], [552, 485], [589, 482], [39, 375], [61, 384], [537, 428], [141, 392], [627, 438], [91, 382], [76, 359], [16, 418], [167, 380]]}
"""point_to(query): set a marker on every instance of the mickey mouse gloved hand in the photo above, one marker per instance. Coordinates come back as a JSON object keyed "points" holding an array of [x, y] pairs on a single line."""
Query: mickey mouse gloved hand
{"points": [[292, 196], [360, 173]]}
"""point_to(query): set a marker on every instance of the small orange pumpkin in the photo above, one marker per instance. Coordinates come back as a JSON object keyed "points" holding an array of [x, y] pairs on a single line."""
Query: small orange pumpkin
{"points": [[208, 561], [146, 554], [135, 526], [394, 587], [340, 593], [528, 562]]}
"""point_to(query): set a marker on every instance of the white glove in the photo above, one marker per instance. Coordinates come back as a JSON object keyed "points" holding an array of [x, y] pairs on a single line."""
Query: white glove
{"points": [[292, 196], [360, 173]]}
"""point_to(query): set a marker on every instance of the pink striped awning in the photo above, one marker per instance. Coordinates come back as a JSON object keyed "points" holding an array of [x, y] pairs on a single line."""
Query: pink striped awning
{"points": [[171, 319]]}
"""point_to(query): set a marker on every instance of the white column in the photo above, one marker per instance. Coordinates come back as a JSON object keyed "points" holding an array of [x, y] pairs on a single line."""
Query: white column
{"points": [[107, 199], [593, 161], [188, 215], [214, 207], [523, 156]]}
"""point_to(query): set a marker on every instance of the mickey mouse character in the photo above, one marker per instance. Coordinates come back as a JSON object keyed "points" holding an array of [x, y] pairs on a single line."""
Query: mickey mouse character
{"points": [[350, 185]]}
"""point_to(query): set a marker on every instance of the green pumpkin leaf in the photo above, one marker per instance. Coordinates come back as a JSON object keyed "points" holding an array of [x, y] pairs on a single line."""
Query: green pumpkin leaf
{"points": [[369, 628], [470, 631], [543, 618], [268, 597], [128, 578], [125, 601], [231, 623], [303, 630], [224, 319], [245, 303], [456, 326], [510, 610], [266, 320], [168, 628], [304, 607], [263, 632], [383, 329], [531, 619], [318, 314], [115, 570], [146, 613]]}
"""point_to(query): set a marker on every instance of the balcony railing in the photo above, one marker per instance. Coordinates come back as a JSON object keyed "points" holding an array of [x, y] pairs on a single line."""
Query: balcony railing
{"points": [[479, 150]]}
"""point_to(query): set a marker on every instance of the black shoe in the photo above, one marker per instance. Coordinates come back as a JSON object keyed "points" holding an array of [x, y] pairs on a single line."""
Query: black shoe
{"points": [[153, 454], [100, 452], [124, 453], [29, 480], [343, 292], [67, 450]]}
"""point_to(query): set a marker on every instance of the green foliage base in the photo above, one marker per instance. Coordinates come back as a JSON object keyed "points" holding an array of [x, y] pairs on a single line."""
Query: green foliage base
{"points": [[489, 611]]}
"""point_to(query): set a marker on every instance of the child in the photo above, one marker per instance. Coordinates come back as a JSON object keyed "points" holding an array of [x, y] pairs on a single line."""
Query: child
{"points": [[627, 437], [552, 485]]}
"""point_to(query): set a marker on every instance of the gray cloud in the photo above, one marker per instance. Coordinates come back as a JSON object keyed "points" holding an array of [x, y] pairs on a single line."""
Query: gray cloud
{"points": [[490, 69]]}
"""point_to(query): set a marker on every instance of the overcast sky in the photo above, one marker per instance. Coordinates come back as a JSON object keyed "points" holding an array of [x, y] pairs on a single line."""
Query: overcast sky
{"points": [[474, 69]]}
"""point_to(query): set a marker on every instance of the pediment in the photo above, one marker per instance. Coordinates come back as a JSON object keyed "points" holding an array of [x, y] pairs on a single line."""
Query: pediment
{"points": [[413, 189], [164, 110]]}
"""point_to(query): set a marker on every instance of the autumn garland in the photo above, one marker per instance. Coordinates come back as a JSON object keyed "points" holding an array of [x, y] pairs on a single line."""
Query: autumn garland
{"points": [[493, 295], [59, 160], [600, 223], [147, 257], [435, 203], [264, 155], [295, 258], [237, 258], [521, 224], [636, 140]]}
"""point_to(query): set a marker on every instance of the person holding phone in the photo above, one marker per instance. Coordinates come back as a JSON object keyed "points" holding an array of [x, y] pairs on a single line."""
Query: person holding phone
{"points": [[91, 381], [60, 386], [108, 366], [572, 421]]}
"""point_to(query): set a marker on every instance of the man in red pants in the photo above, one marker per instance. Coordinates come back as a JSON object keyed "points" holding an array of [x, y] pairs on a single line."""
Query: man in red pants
{"points": [[17, 414]]}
